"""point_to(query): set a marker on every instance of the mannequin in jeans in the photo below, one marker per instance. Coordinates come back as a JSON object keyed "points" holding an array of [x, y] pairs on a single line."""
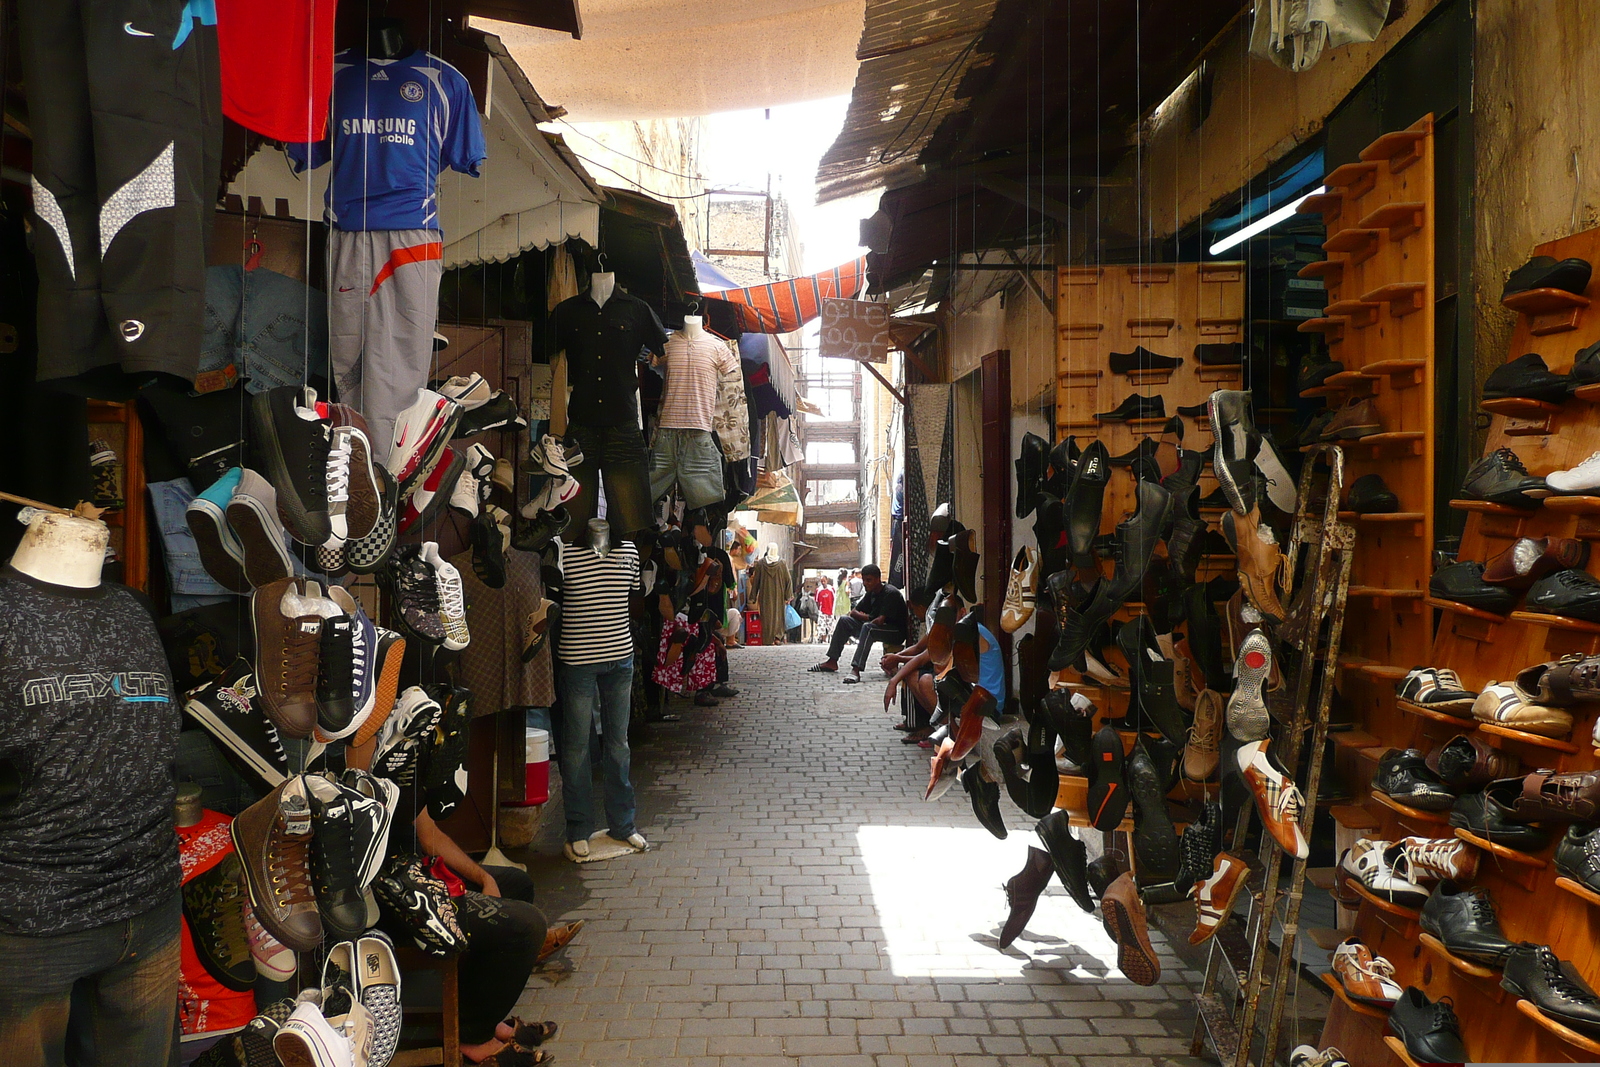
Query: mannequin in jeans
{"points": [[86, 992]]}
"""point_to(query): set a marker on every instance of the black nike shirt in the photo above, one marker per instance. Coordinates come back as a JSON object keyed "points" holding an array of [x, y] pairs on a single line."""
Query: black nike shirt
{"points": [[89, 722]]}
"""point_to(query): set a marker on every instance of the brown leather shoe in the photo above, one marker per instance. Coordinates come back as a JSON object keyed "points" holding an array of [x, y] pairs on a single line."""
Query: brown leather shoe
{"points": [[288, 648], [1573, 679], [1365, 977], [1203, 752], [1467, 760], [1260, 561], [942, 630], [1356, 419], [1122, 913], [1531, 558], [1022, 893], [273, 839], [559, 937], [1214, 898], [962, 547], [1572, 796], [937, 765], [977, 708]]}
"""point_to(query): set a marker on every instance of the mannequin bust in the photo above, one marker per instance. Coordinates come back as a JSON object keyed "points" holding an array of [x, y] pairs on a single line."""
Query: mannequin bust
{"points": [[63, 550], [693, 327], [601, 286], [386, 39], [187, 810], [599, 537]]}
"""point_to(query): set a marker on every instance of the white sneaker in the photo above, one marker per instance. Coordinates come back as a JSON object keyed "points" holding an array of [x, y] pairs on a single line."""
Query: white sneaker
{"points": [[470, 390], [452, 600], [1309, 1056], [472, 486], [337, 479], [557, 491], [551, 455], [420, 434], [310, 1039], [1580, 479]]}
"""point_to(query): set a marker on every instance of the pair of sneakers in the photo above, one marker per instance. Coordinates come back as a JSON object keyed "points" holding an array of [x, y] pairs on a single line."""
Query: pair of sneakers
{"points": [[483, 407], [430, 600], [353, 1019]]}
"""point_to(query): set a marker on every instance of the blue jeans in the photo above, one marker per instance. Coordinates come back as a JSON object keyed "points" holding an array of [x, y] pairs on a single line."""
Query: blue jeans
{"points": [[585, 689], [103, 996], [187, 580], [259, 326]]}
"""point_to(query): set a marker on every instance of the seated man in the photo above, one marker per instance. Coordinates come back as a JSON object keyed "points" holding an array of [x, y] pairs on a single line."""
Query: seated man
{"points": [[880, 615], [914, 667]]}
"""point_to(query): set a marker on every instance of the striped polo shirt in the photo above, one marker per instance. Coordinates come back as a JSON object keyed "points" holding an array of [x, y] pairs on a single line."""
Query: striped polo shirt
{"points": [[694, 368], [594, 603]]}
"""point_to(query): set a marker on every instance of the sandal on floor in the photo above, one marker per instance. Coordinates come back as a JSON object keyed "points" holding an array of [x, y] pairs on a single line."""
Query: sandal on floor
{"points": [[852, 680], [513, 1055], [531, 1035], [822, 668]]}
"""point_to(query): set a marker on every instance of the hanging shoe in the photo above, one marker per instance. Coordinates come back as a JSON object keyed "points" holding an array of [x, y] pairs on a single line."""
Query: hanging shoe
{"points": [[1021, 591], [1278, 799], [1032, 456], [1023, 890]]}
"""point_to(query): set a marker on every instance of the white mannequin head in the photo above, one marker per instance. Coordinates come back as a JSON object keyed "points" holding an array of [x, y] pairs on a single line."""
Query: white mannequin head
{"points": [[63, 550], [693, 326]]}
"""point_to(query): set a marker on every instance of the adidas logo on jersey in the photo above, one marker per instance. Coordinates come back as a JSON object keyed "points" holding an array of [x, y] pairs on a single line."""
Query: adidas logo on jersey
{"points": [[380, 76]]}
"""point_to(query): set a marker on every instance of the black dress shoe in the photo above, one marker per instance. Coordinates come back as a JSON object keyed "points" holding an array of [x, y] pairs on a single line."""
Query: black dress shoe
{"points": [[964, 563], [1545, 272], [1071, 718], [1490, 814], [1108, 792], [1063, 466], [1500, 478], [1236, 442], [1153, 699], [1539, 976], [1144, 451], [1430, 1030], [1578, 855], [1199, 845], [1156, 593], [1204, 629], [1195, 411], [1044, 780], [1142, 359], [1135, 407], [1225, 354], [1022, 893], [1403, 775], [985, 799], [1586, 366], [1008, 756], [1574, 593], [1067, 853], [1031, 459], [964, 644], [941, 568], [1155, 842], [1368, 495], [1315, 370], [1191, 462], [1464, 920], [1186, 540], [1137, 535], [1049, 533], [1088, 609], [1527, 378], [1083, 503], [1462, 583]]}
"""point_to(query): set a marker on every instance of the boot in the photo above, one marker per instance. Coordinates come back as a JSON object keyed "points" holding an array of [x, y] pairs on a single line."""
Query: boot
{"points": [[1030, 464], [1205, 637], [1022, 893]]}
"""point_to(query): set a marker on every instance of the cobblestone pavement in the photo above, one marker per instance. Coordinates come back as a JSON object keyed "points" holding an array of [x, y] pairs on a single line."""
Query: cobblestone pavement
{"points": [[803, 905]]}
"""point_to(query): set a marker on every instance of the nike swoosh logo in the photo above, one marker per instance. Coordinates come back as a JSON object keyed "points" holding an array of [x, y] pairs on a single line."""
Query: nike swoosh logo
{"points": [[347, 288], [127, 28]]}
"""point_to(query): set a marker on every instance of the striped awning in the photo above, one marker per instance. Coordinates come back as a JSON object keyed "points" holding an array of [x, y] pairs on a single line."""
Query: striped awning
{"points": [[783, 307]]}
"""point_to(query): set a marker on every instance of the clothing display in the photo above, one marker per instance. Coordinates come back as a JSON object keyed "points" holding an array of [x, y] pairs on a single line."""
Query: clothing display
{"points": [[126, 127], [594, 603], [217, 969], [694, 363], [262, 328], [690, 460], [770, 590], [277, 66]]}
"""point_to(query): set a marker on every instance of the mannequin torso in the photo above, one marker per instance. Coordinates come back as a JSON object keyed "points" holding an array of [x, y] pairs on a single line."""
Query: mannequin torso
{"points": [[63, 550], [694, 327], [601, 286], [599, 537]]}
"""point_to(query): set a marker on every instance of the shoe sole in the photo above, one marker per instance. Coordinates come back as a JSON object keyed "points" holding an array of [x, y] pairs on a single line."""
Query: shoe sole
{"points": [[235, 744], [368, 554], [1246, 716], [266, 559], [1280, 487], [361, 467], [1221, 465], [302, 520], [1350, 433], [1114, 801], [391, 653], [209, 525], [1135, 958]]}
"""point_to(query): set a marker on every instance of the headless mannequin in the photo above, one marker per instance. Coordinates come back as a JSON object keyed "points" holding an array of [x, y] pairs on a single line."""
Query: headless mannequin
{"points": [[63, 550], [599, 537], [601, 286], [693, 327], [386, 39]]}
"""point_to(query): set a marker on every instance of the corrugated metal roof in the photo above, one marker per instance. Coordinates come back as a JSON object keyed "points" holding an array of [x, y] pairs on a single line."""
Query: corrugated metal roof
{"points": [[914, 54]]}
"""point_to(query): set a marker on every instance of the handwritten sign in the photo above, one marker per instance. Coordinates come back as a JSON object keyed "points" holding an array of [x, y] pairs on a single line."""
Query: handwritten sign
{"points": [[855, 329]]}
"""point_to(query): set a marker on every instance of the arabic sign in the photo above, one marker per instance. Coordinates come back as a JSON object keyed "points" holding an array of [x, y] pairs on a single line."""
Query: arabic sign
{"points": [[855, 329]]}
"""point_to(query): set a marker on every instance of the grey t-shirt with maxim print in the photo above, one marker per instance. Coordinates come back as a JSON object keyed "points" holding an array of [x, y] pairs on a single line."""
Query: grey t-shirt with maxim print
{"points": [[89, 721]]}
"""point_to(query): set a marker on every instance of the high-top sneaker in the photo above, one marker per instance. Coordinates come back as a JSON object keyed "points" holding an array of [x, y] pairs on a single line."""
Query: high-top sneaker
{"points": [[416, 589], [221, 554], [391, 654], [213, 907], [347, 674], [337, 479], [337, 850], [225, 709], [288, 617], [274, 960], [421, 905], [452, 602], [364, 555], [291, 444], [273, 839], [409, 727], [107, 472], [373, 800], [444, 764], [252, 513], [361, 510]]}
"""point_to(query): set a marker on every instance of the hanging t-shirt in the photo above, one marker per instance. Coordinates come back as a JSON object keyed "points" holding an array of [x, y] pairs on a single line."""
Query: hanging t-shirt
{"points": [[277, 66], [594, 603], [603, 346], [396, 123], [88, 721], [694, 366]]}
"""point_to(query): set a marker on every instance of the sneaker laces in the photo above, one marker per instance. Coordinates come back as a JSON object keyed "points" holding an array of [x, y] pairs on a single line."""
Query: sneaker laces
{"points": [[301, 654], [419, 585], [1482, 908], [288, 868], [337, 474], [450, 596]]}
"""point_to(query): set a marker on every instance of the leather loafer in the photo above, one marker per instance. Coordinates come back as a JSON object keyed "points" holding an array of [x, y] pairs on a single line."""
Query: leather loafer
{"points": [[985, 800], [1135, 407], [1063, 465], [1570, 796], [1108, 792], [1462, 583], [979, 706], [1083, 502], [1532, 558], [1155, 700], [1491, 815], [1155, 842], [1137, 535], [964, 563], [1554, 986], [1067, 854], [1429, 1029], [1464, 920], [1574, 594], [1573, 679], [1030, 464], [1142, 360], [1022, 893], [1527, 378], [1547, 272], [964, 647], [1122, 913], [1368, 495]]}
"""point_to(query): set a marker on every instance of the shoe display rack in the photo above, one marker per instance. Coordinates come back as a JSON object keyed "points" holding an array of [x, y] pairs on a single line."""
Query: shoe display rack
{"points": [[1534, 902], [1379, 323], [129, 536]]}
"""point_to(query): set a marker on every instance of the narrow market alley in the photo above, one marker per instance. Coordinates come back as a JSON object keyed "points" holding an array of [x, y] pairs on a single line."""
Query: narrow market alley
{"points": [[803, 905]]}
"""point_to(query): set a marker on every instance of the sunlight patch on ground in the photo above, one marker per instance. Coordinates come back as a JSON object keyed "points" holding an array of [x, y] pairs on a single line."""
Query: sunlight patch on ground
{"points": [[940, 901]]}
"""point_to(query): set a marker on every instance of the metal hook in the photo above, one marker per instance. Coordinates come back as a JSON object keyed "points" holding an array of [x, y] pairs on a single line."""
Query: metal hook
{"points": [[601, 258], [694, 307]]}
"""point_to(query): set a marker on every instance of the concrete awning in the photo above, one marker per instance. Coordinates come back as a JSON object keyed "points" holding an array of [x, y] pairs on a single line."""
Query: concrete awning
{"points": [[532, 191]]}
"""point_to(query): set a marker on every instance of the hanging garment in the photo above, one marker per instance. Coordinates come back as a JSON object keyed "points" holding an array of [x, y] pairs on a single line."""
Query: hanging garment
{"points": [[770, 590], [277, 66], [594, 603], [680, 677], [693, 368], [491, 666], [1293, 33], [730, 418], [213, 880], [127, 151]]}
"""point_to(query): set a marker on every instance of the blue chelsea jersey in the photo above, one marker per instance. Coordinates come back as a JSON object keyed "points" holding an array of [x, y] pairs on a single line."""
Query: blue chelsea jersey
{"points": [[394, 124]]}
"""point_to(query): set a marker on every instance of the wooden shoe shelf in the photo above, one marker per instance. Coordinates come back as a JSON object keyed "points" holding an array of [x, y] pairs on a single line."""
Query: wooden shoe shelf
{"points": [[1534, 901]]}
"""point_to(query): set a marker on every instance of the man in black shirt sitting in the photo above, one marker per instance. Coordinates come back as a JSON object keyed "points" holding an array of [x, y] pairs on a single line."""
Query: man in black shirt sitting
{"points": [[880, 615]]}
